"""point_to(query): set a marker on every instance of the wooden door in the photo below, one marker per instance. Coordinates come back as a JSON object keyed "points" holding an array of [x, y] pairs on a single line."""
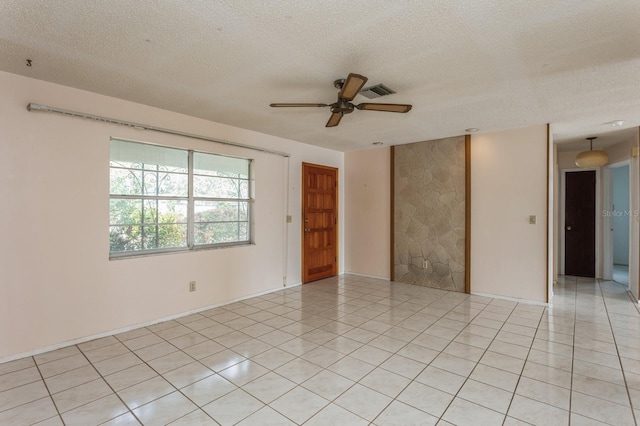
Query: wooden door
{"points": [[319, 222], [580, 224]]}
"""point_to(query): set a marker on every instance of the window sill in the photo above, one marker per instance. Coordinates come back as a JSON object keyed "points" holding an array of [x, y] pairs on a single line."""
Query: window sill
{"points": [[136, 255]]}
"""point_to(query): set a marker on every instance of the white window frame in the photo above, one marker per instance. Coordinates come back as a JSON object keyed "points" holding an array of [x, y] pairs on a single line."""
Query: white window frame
{"points": [[191, 201]]}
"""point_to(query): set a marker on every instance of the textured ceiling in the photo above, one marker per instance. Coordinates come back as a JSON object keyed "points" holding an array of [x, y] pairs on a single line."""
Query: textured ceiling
{"points": [[470, 63]]}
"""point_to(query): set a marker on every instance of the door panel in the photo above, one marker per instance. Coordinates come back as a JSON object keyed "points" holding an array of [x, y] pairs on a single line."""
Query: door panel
{"points": [[319, 214], [580, 224]]}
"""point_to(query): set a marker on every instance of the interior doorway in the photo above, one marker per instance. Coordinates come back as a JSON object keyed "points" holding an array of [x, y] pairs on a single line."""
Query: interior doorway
{"points": [[620, 215]]}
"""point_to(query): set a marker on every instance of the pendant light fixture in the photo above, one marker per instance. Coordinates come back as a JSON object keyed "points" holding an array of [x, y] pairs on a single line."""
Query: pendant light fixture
{"points": [[591, 158]]}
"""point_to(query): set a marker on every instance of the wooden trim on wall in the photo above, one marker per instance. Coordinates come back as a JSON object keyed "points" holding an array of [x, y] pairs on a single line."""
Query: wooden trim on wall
{"points": [[467, 214], [548, 228], [392, 275]]}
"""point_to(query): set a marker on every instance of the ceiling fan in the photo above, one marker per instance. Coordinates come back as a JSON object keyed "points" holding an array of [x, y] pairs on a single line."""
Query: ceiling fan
{"points": [[349, 88]]}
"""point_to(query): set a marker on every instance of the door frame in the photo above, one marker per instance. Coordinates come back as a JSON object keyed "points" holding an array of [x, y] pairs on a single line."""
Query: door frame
{"points": [[302, 223], [607, 203], [561, 228]]}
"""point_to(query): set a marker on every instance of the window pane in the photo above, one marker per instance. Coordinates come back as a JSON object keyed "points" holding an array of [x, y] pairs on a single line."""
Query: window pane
{"points": [[219, 165], [217, 187], [243, 231], [125, 165], [125, 238], [165, 211], [215, 233], [169, 184], [244, 189], [146, 166], [164, 236], [125, 182], [149, 155], [220, 211], [125, 212]]}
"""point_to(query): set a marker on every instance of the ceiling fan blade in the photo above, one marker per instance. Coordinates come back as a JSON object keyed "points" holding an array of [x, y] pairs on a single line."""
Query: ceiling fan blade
{"points": [[334, 120], [384, 107], [352, 86], [297, 105]]}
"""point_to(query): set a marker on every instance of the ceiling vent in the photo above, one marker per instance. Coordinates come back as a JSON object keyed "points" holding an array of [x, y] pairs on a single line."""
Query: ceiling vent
{"points": [[376, 91]]}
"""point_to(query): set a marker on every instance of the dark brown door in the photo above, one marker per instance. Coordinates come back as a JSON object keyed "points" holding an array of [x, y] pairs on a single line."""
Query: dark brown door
{"points": [[319, 222], [580, 224]]}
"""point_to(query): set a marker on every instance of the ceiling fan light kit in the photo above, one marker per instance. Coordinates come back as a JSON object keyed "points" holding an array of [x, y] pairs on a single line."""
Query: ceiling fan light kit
{"points": [[592, 158], [349, 89]]}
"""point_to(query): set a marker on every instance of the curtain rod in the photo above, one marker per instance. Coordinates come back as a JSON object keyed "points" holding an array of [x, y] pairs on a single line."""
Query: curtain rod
{"points": [[44, 108]]}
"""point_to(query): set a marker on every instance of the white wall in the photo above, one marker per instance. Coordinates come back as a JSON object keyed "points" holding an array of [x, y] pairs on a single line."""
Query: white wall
{"points": [[367, 212], [634, 201], [552, 208], [556, 215], [620, 151], [509, 183], [567, 159], [57, 283]]}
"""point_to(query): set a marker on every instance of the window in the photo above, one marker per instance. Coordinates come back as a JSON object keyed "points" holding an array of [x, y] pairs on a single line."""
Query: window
{"points": [[167, 199]]}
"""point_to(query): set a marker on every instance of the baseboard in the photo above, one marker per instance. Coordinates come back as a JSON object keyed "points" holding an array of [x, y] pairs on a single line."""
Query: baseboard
{"points": [[511, 299], [133, 327], [366, 276]]}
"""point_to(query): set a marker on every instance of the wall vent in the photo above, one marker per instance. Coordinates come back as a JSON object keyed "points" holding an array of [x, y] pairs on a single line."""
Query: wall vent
{"points": [[376, 91]]}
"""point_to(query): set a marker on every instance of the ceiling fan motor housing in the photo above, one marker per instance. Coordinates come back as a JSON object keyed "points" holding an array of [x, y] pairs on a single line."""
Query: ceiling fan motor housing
{"points": [[342, 106]]}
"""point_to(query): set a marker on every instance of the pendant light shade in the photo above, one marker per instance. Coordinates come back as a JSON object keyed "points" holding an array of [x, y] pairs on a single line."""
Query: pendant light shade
{"points": [[591, 158]]}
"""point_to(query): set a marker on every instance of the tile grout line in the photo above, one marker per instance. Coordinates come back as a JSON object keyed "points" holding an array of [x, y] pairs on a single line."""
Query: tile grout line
{"points": [[110, 387], [393, 399], [426, 366], [573, 345], [297, 385], [176, 389], [624, 376], [379, 366], [451, 341], [332, 401], [515, 389], [477, 362], [47, 388]]}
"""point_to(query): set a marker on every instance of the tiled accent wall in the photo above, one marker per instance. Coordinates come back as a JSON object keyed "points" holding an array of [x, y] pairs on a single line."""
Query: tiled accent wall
{"points": [[429, 213]]}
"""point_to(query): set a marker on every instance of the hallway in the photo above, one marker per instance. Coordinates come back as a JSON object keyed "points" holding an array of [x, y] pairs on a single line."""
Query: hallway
{"points": [[599, 326]]}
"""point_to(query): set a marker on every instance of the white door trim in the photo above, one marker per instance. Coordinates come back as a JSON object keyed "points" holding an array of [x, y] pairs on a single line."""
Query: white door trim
{"points": [[607, 205]]}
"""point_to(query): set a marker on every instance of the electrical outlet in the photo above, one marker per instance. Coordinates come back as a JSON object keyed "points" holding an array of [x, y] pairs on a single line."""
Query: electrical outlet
{"points": [[532, 220], [425, 264], [192, 286]]}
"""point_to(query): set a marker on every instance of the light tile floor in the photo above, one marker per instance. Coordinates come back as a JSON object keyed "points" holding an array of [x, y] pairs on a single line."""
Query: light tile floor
{"points": [[621, 274], [350, 351]]}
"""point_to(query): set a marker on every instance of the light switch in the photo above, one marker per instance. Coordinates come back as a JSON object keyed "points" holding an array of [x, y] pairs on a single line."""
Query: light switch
{"points": [[289, 219], [532, 219]]}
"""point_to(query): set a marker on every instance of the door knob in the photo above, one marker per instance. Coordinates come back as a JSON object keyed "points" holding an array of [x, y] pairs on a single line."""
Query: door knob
{"points": [[307, 229], [568, 228]]}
